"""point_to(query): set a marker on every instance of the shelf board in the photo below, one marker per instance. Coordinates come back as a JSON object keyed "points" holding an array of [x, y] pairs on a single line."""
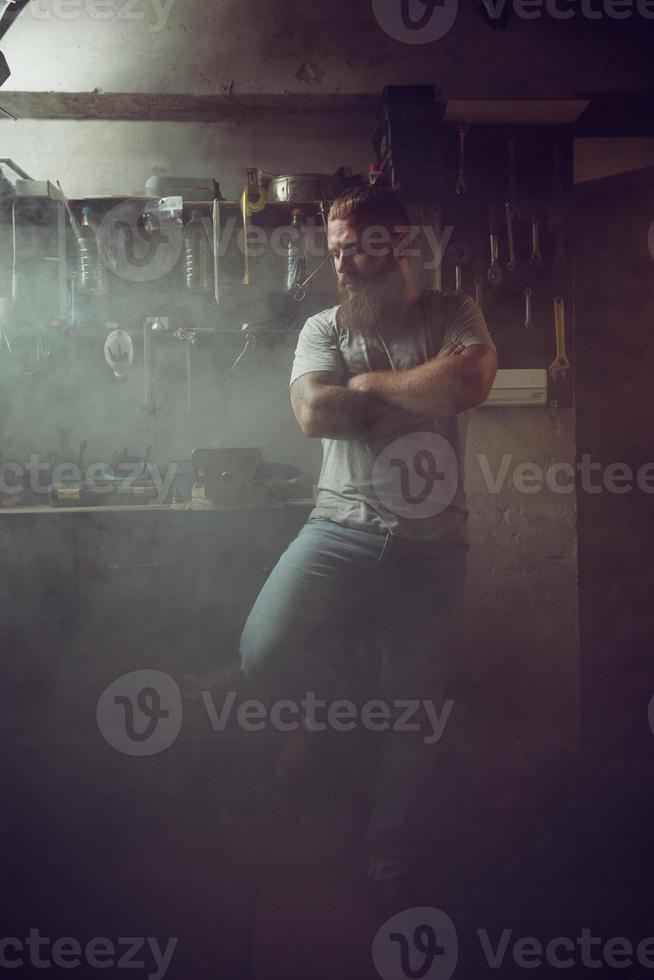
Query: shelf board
{"points": [[145, 107]]}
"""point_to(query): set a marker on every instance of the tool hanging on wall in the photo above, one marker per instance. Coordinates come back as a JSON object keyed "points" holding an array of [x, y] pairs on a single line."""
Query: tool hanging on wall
{"points": [[324, 213], [253, 201], [461, 185], [536, 256], [560, 365], [430, 218], [529, 323], [494, 270], [459, 256]]}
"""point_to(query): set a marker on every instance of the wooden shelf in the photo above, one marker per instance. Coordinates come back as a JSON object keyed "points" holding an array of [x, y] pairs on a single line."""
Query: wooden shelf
{"points": [[147, 107]]}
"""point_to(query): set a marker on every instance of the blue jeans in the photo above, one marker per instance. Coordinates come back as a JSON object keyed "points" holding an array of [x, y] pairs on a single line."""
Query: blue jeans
{"points": [[411, 592]]}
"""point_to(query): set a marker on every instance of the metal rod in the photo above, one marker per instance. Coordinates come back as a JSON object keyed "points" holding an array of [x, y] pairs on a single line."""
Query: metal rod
{"points": [[63, 271], [215, 217], [6, 162], [189, 396], [147, 365], [299, 290], [73, 220], [14, 279]]}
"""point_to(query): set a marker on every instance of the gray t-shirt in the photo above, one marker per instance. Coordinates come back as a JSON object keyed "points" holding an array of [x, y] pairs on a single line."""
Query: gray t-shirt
{"points": [[409, 483]]}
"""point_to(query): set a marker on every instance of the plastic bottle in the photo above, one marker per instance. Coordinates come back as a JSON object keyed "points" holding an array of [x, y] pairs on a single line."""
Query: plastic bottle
{"points": [[93, 275], [297, 253], [198, 264]]}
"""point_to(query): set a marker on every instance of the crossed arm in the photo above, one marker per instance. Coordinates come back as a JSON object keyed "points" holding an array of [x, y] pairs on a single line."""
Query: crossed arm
{"points": [[383, 402]]}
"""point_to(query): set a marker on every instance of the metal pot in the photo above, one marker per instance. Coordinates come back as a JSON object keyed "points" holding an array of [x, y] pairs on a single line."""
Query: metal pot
{"points": [[306, 188]]}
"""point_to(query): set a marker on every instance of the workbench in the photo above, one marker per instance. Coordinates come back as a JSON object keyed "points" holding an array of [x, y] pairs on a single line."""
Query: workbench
{"points": [[90, 592]]}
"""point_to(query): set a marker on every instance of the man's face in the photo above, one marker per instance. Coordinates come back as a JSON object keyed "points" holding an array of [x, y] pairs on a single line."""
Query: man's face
{"points": [[362, 256], [370, 281]]}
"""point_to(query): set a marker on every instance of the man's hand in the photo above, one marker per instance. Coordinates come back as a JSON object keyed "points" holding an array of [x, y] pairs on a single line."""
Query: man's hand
{"points": [[450, 350], [361, 382]]}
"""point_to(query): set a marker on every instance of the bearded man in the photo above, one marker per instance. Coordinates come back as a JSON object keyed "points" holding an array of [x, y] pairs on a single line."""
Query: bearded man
{"points": [[384, 379]]}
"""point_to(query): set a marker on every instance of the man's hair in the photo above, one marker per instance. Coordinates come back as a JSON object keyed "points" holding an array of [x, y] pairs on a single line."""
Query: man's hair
{"points": [[370, 206]]}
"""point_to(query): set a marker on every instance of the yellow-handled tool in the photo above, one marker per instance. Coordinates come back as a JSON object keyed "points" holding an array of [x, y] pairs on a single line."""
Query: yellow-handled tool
{"points": [[253, 200], [560, 365]]}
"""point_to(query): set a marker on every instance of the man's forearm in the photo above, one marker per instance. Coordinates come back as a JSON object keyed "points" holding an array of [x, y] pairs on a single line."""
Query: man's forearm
{"points": [[439, 388], [336, 412]]}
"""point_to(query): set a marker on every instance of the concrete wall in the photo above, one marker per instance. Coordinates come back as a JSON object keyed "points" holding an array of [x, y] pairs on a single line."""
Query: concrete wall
{"points": [[520, 641], [261, 46]]}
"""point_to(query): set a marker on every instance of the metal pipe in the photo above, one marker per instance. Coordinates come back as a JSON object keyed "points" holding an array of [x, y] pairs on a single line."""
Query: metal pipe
{"points": [[189, 384], [7, 162], [63, 266], [147, 365], [73, 220], [215, 216]]}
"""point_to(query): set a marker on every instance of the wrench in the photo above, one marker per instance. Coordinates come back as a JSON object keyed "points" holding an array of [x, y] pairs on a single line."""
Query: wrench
{"points": [[458, 256], [560, 365], [494, 271], [510, 265], [536, 256], [462, 129], [528, 320]]}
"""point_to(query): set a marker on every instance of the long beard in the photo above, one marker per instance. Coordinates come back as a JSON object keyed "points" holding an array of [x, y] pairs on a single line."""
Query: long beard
{"points": [[373, 310]]}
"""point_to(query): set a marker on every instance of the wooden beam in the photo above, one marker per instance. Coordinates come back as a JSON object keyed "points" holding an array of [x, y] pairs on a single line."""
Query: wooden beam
{"points": [[181, 108]]}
